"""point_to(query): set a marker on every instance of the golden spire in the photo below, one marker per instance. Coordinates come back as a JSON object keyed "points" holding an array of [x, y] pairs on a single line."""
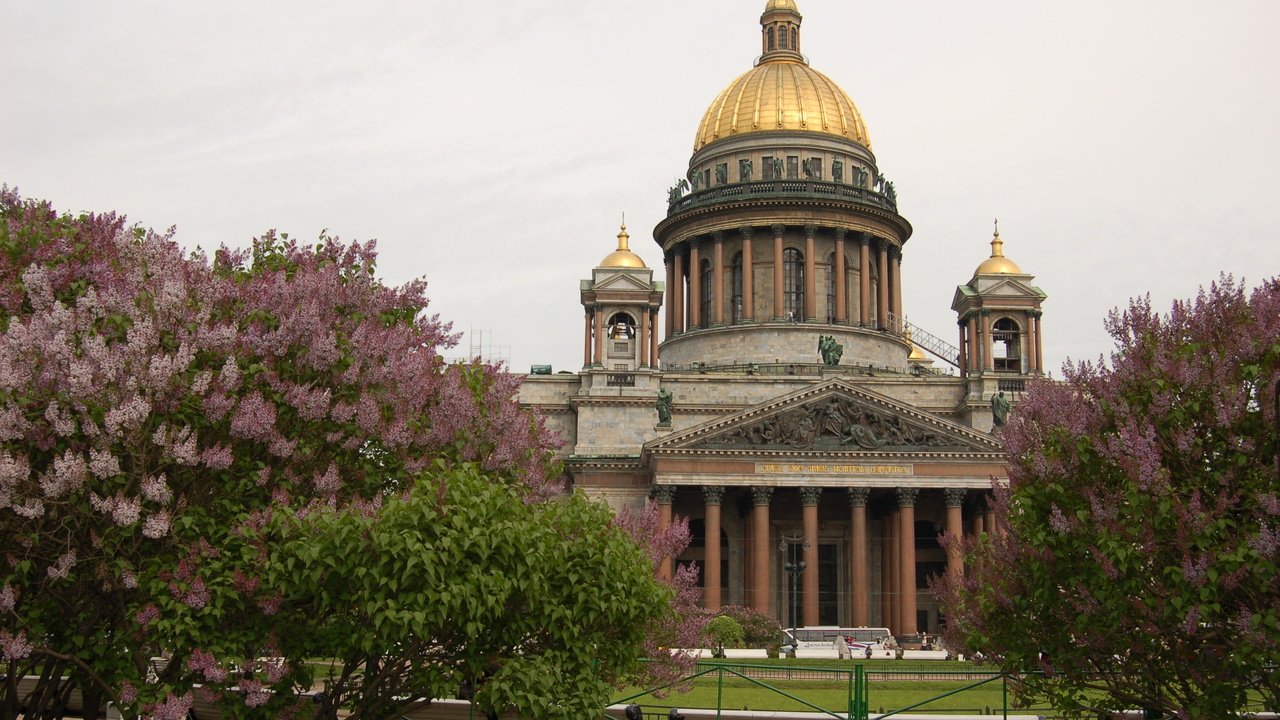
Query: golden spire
{"points": [[997, 264]]}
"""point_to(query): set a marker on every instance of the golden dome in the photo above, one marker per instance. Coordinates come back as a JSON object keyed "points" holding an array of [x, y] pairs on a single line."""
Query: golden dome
{"points": [[781, 92], [998, 264], [622, 257], [781, 95]]}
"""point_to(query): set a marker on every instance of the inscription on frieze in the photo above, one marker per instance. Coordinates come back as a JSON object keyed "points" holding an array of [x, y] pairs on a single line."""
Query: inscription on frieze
{"points": [[830, 469]]}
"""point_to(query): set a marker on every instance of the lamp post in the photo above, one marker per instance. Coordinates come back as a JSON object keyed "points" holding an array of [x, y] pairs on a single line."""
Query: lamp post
{"points": [[795, 568]]}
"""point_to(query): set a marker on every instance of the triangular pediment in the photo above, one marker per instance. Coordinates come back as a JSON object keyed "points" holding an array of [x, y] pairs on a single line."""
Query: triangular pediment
{"points": [[622, 281], [832, 416]]}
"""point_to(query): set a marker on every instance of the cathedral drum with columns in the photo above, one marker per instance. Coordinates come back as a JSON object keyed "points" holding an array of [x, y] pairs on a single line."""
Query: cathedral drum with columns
{"points": [[768, 388]]}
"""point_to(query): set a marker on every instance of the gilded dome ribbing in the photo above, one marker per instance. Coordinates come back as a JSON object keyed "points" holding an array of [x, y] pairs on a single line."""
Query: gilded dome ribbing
{"points": [[781, 92]]}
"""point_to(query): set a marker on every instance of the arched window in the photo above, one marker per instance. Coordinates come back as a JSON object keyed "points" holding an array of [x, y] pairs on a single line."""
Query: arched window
{"points": [[737, 288], [1006, 345], [795, 38], [793, 284], [769, 34], [705, 277], [621, 326]]}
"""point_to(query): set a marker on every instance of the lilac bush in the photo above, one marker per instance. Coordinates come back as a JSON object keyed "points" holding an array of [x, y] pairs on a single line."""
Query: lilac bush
{"points": [[166, 419], [1137, 564]]}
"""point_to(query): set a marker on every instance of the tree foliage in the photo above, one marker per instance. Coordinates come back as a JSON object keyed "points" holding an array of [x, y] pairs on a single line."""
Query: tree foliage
{"points": [[204, 457], [1137, 561]]}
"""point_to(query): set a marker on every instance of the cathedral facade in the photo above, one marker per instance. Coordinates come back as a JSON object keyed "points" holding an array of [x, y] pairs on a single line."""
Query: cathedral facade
{"points": [[765, 385]]}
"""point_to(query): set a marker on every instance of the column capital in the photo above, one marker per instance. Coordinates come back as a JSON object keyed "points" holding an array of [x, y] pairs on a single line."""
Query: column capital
{"points": [[810, 230], [778, 228], [761, 495], [841, 233], [907, 496], [809, 496], [746, 231], [713, 494], [717, 236], [976, 504], [664, 494], [863, 238], [955, 497], [858, 496]]}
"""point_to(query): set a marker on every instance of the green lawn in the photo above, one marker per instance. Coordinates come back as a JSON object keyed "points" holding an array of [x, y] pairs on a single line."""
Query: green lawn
{"points": [[891, 686]]}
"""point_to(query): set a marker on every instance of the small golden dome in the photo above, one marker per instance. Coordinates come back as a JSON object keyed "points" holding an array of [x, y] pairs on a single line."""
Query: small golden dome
{"points": [[916, 353], [781, 92], [622, 257], [998, 264]]}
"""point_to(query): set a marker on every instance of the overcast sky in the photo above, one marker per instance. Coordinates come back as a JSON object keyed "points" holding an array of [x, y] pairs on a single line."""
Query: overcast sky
{"points": [[1126, 146]]}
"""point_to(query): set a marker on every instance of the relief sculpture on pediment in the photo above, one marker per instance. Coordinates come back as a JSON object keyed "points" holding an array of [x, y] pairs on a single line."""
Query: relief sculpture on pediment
{"points": [[836, 423]]}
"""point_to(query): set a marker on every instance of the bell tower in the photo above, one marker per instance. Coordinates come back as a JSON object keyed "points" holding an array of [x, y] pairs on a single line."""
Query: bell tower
{"points": [[621, 302], [998, 313]]}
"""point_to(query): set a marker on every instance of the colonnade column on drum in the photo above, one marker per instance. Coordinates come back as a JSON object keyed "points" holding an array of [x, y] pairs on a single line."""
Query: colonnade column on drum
{"points": [[671, 296], [677, 296], [748, 276], [864, 280], [882, 303], [859, 577], [695, 286], [760, 549], [907, 539], [717, 287], [896, 263], [810, 275], [809, 580], [779, 308], [841, 311], [713, 495]]}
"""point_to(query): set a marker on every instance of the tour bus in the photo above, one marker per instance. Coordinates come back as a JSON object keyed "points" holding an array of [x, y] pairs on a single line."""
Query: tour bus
{"points": [[858, 639]]}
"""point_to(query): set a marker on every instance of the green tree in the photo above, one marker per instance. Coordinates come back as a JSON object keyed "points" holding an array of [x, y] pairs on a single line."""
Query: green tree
{"points": [[540, 607], [1135, 563], [723, 631]]}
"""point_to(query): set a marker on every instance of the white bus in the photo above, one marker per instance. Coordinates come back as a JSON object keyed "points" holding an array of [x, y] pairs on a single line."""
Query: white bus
{"points": [[857, 639]]}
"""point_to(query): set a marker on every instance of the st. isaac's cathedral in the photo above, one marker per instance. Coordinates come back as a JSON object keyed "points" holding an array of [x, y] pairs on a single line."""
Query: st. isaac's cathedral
{"points": [[767, 387]]}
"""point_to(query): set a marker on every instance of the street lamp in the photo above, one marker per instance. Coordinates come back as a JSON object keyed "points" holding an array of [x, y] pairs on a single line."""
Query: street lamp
{"points": [[795, 568]]}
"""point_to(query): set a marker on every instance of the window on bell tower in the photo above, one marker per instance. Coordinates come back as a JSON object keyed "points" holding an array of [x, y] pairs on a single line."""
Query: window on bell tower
{"points": [[1006, 345]]}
